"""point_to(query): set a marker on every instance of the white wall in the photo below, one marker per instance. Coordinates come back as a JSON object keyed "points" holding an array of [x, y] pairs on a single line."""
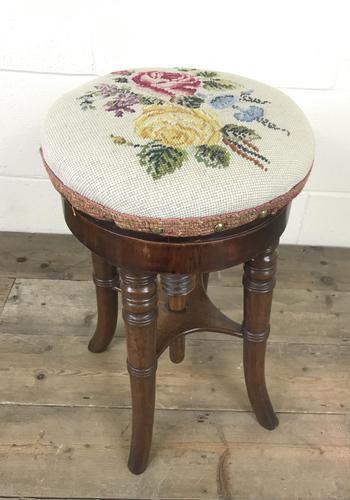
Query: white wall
{"points": [[302, 47]]}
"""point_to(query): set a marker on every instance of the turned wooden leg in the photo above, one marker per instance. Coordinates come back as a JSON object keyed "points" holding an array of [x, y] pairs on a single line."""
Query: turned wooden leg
{"points": [[106, 279], [177, 287], [205, 280], [258, 281], [139, 296]]}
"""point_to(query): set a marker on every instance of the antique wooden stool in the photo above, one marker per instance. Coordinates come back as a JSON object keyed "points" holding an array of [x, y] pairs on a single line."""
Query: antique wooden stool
{"points": [[177, 172]]}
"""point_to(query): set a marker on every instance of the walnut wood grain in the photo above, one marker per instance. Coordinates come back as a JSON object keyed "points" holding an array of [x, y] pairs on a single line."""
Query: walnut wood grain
{"points": [[205, 279], [177, 287], [106, 279], [139, 297], [258, 282], [186, 309], [201, 315], [150, 253]]}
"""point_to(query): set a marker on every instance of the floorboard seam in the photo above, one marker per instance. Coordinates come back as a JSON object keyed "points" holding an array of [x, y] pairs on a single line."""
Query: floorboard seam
{"points": [[224, 338], [6, 297], [201, 409]]}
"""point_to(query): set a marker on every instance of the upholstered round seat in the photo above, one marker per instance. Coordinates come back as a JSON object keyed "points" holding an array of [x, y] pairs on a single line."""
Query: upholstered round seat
{"points": [[180, 152]]}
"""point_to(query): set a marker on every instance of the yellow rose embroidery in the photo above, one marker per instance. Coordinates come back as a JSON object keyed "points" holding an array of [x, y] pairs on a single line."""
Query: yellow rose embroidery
{"points": [[169, 117], [117, 139], [177, 126]]}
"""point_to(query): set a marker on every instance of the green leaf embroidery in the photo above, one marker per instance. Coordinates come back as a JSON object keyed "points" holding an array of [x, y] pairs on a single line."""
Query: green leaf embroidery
{"points": [[86, 101], [207, 74], [121, 79], [235, 133], [186, 69], [189, 101], [87, 105], [160, 159], [148, 100], [213, 156], [219, 84], [239, 138]]}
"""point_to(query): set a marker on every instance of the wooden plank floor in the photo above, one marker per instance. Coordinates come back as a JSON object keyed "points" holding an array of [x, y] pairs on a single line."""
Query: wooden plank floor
{"points": [[65, 412]]}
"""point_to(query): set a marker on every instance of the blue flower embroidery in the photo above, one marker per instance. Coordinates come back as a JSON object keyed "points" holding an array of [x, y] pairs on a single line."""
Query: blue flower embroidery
{"points": [[223, 101], [185, 93], [250, 114]]}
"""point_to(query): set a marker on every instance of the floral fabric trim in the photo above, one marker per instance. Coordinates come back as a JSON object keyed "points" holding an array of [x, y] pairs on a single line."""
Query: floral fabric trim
{"points": [[177, 114], [178, 227]]}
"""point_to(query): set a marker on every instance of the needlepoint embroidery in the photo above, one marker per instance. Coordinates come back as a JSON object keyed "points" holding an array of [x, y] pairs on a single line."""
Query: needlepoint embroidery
{"points": [[177, 114]]}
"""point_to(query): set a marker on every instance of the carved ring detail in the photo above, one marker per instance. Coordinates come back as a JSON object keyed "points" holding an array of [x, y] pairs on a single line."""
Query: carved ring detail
{"points": [[140, 319], [257, 286], [141, 372], [109, 283], [255, 337], [177, 284]]}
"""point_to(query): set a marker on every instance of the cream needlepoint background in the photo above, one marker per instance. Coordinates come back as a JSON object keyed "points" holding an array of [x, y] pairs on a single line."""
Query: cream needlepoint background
{"points": [[177, 143]]}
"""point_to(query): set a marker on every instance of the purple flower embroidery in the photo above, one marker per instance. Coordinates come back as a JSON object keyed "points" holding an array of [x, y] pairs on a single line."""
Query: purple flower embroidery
{"points": [[107, 90], [123, 103]]}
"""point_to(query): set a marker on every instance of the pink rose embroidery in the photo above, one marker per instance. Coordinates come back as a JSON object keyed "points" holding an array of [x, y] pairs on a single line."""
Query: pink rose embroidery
{"points": [[166, 82]]}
